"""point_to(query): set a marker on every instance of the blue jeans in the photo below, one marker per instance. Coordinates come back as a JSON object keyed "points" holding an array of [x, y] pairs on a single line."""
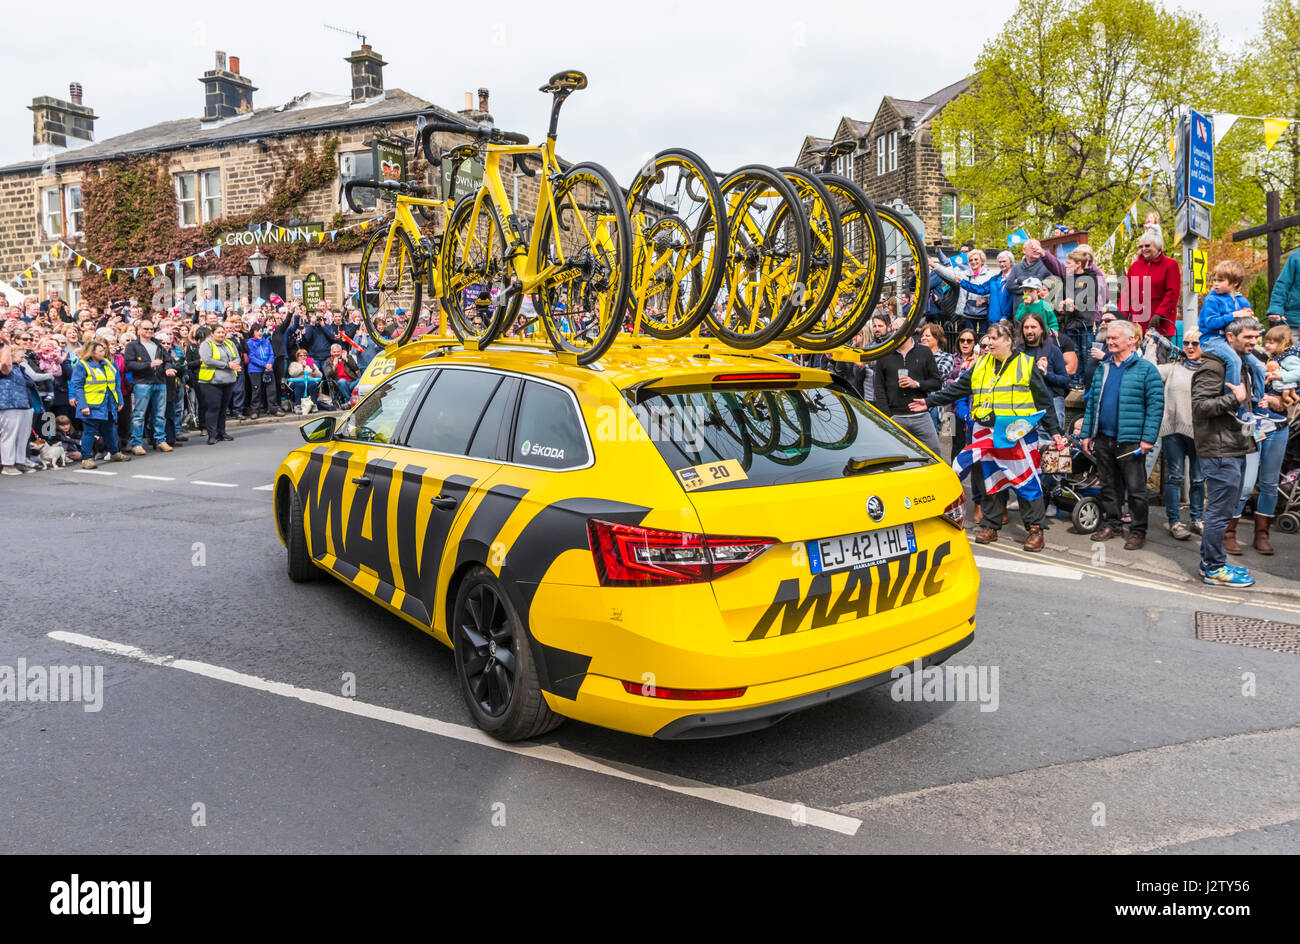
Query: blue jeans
{"points": [[1222, 491], [1218, 344], [1266, 466], [145, 395], [345, 388], [1179, 449], [303, 387]]}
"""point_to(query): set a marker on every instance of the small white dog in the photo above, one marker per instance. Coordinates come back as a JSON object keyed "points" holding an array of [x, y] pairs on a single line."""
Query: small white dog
{"points": [[53, 455]]}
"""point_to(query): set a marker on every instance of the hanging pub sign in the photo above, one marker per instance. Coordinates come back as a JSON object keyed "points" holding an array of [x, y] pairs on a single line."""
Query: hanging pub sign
{"points": [[313, 290], [390, 159]]}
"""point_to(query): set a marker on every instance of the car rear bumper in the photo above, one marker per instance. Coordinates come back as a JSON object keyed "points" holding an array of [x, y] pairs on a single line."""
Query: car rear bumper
{"points": [[739, 720], [603, 700]]}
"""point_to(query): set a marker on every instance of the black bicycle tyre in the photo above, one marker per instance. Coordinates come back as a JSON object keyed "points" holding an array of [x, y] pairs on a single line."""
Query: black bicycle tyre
{"points": [[912, 318], [453, 306], [707, 288], [756, 175], [814, 308], [618, 303], [403, 246], [860, 314]]}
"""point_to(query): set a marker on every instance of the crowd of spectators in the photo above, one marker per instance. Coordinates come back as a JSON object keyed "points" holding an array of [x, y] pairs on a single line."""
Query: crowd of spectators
{"points": [[110, 384]]}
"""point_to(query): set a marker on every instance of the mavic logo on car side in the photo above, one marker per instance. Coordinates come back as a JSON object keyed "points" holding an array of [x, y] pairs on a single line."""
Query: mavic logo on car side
{"points": [[857, 600], [530, 448]]}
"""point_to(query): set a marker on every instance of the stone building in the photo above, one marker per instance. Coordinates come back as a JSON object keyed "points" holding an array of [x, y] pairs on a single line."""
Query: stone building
{"points": [[225, 163], [896, 159]]}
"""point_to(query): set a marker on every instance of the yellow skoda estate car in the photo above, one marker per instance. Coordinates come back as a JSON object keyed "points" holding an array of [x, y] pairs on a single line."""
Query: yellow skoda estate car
{"points": [[675, 542]]}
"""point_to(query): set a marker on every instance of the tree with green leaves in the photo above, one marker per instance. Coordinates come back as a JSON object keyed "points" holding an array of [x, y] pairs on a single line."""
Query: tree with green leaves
{"points": [[1263, 81], [1070, 104]]}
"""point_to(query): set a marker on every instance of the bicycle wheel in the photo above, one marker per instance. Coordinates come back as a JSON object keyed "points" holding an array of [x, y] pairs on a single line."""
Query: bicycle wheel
{"points": [[766, 267], [392, 284], [835, 424], [907, 276], [474, 273], [862, 271], [679, 231], [827, 249], [587, 242]]}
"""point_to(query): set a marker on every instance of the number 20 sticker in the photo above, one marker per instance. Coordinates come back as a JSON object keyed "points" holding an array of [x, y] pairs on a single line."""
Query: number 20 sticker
{"points": [[711, 473]]}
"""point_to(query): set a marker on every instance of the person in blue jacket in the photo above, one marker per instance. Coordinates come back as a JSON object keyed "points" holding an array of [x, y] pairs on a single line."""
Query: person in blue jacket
{"points": [[1284, 300], [997, 287], [1121, 425], [96, 394], [264, 393]]}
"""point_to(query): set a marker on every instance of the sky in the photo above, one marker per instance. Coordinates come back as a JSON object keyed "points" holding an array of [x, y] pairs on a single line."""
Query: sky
{"points": [[738, 82]]}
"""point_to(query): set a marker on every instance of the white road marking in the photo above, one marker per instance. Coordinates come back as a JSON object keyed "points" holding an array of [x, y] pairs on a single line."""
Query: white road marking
{"points": [[93, 472], [835, 822], [1027, 568], [156, 478], [214, 484], [263, 488]]}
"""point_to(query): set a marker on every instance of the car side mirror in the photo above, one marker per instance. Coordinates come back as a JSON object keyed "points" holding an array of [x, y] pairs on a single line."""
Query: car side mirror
{"points": [[318, 430]]}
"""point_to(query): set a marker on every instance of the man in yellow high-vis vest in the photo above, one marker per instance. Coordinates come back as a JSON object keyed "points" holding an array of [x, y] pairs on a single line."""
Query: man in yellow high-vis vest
{"points": [[1002, 383]]}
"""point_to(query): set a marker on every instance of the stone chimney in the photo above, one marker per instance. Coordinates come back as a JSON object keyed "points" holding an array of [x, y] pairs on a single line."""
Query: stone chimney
{"points": [[480, 114], [367, 74], [226, 93], [57, 124]]}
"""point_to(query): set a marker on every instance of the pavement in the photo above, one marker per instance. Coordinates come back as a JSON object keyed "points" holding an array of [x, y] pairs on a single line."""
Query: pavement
{"points": [[244, 713], [1163, 556]]}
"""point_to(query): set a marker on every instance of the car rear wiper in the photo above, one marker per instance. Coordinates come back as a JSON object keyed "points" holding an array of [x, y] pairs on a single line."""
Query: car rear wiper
{"points": [[856, 466]]}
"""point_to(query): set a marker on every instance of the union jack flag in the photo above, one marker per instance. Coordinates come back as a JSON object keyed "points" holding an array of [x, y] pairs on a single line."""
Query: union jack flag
{"points": [[1013, 465]]}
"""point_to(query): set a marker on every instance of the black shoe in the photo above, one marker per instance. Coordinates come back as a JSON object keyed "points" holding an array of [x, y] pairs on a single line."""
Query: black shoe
{"points": [[224, 438], [180, 439], [176, 444], [212, 440]]}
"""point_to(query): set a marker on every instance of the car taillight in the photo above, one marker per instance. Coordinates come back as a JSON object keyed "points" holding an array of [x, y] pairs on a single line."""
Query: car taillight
{"points": [[629, 556], [955, 514], [765, 377]]}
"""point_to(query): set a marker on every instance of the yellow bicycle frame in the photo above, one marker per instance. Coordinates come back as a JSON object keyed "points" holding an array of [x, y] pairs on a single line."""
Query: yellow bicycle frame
{"points": [[403, 219]]}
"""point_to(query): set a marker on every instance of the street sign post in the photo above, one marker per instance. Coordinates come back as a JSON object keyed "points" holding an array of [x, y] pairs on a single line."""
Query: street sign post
{"points": [[1200, 158], [1180, 164]]}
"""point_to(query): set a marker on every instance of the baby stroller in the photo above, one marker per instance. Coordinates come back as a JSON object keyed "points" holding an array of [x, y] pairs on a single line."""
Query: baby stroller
{"points": [[1288, 486], [1077, 494]]}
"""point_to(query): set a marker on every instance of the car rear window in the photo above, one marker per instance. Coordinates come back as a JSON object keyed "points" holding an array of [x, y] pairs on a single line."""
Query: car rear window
{"points": [[549, 431], [777, 436]]}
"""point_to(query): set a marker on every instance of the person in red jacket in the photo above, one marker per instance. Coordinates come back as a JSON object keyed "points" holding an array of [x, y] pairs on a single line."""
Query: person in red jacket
{"points": [[1151, 290]]}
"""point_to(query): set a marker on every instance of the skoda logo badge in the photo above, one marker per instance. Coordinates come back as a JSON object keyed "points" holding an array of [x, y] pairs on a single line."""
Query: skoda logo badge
{"points": [[875, 508], [907, 503]]}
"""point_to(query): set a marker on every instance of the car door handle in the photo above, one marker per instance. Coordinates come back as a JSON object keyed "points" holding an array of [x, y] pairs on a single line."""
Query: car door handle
{"points": [[362, 480], [443, 502]]}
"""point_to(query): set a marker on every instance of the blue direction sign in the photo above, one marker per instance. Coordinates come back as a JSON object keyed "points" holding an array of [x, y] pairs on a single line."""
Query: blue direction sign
{"points": [[1200, 158]]}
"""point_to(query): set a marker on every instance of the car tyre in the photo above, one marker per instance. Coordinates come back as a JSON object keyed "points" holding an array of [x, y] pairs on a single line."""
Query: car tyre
{"points": [[301, 568], [494, 662]]}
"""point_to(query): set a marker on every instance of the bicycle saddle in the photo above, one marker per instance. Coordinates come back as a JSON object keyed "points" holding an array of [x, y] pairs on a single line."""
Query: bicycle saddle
{"points": [[571, 80], [840, 148]]}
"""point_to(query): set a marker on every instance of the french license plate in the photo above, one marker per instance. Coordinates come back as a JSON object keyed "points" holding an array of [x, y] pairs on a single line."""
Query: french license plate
{"points": [[850, 551]]}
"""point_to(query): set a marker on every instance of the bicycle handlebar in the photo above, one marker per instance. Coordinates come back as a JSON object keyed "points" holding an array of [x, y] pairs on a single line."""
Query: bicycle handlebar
{"points": [[394, 186], [495, 135]]}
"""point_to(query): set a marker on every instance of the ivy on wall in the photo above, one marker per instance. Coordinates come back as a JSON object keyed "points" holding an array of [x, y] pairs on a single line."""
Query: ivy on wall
{"points": [[131, 214]]}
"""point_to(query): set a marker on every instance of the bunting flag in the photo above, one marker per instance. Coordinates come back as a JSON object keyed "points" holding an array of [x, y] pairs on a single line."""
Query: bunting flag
{"points": [[1223, 123], [73, 257], [1273, 129]]}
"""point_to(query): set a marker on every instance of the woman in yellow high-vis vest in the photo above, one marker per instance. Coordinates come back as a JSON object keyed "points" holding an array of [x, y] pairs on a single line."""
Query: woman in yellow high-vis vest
{"points": [[219, 366], [1002, 383]]}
